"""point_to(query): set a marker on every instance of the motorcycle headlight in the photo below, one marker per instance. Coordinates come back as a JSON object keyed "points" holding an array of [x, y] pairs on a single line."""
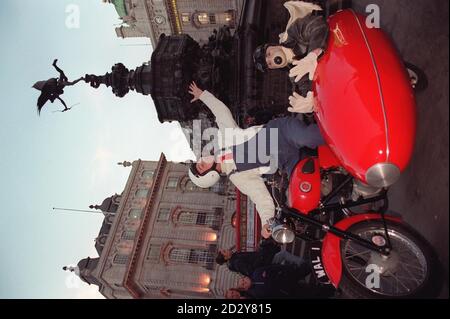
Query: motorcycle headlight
{"points": [[382, 175], [283, 234]]}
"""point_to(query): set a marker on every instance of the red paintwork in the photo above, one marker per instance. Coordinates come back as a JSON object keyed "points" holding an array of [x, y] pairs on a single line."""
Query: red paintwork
{"points": [[331, 246], [257, 223], [238, 218], [327, 159], [304, 202], [348, 101]]}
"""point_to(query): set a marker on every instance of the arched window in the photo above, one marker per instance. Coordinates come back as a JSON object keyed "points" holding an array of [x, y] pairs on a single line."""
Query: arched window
{"points": [[209, 219], [154, 253], [186, 18], [219, 187], [128, 235], [208, 19], [202, 18], [142, 193], [200, 218], [120, 259], [172, 183], [226, 18], [234, 220], [191, 256], [190, 186], [187, 185], [148, 173], [164, 214], [135, 213]]}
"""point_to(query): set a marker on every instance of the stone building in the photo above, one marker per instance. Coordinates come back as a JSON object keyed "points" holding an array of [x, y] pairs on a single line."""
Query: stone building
{"points": [[198, 18], [159, 238]]}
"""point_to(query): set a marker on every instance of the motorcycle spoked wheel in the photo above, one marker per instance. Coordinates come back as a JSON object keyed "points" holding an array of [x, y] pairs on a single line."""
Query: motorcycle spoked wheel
{"points": [[418, 78], [410, 271]]}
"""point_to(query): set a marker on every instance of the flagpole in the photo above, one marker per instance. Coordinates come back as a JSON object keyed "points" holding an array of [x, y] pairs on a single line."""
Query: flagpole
{"points": [[77, 210]]}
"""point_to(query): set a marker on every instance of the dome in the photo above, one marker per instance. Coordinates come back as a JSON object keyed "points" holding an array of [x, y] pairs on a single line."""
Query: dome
{"points": [[120, 7], [86, 267], [102, 235], [109, 205]]}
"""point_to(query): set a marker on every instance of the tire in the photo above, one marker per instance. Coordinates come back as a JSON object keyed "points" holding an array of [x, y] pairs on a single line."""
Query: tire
{"points": [[419, 80], [422, 283]]}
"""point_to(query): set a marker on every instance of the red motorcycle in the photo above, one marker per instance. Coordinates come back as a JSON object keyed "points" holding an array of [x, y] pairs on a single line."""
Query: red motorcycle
{"points": [[337, 198]]}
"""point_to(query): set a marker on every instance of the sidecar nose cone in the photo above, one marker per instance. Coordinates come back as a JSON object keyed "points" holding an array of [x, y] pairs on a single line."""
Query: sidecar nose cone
{"points": [[382, 175]]}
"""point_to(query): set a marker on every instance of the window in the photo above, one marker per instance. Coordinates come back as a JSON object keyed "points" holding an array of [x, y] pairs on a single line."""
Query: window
{"points": [[152, 288], [187, 218], [135, 213], [120, 259], [198, 218], [128, 235], [163, 215], [190, 186], [148, 173], [172, 182], [218, 188], [212, 18], [142, 193], [226, 18], [186, 18], [153, 254], [234, 220], [203, 18], [191, 256]]}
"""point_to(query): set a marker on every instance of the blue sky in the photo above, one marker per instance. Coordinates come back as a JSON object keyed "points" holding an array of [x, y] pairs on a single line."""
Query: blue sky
{"points": [[65, 159]]}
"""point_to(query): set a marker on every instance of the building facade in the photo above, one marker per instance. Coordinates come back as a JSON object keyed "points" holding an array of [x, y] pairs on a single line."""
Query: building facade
{"points": [[160, 237], [197, 18]]}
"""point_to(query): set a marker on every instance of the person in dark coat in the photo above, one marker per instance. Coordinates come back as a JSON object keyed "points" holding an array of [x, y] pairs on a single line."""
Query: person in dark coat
{"points": [[277, 281], [245, 263]]}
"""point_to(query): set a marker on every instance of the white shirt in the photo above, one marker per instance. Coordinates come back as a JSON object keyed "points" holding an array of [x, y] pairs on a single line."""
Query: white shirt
{"points": [[248, 182]]}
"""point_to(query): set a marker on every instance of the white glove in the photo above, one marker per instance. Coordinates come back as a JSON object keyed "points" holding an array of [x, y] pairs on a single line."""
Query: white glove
{"points": [[306, 65], [283, 37], [301, 104]]}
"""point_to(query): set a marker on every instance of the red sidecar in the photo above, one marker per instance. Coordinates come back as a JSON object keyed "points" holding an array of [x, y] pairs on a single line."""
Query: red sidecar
{"points": [[365, 104], [365, 108]]}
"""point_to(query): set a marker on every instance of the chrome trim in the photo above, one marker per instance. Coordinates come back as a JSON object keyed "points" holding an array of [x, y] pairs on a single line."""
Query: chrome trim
{"points": [[382, 175], [283, 234], [402, 273], [380, 91]]}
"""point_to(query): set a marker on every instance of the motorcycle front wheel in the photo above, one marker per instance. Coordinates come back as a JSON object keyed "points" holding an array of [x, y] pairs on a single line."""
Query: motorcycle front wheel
{"points": [[410, 270], [418, 78]]}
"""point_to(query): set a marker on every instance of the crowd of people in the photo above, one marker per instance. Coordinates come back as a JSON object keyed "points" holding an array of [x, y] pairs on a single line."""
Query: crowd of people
{"points": [[270, 273]]}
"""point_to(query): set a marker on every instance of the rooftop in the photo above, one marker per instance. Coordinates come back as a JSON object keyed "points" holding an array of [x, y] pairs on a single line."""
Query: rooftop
{"points": [[120, 7]]}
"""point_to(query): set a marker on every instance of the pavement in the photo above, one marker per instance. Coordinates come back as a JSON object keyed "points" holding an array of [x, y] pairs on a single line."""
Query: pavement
{"points": [[420, 31]]}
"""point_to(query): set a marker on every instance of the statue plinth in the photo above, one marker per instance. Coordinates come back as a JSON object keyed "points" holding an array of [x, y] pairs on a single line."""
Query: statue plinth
{"points": [[175, 63]]}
